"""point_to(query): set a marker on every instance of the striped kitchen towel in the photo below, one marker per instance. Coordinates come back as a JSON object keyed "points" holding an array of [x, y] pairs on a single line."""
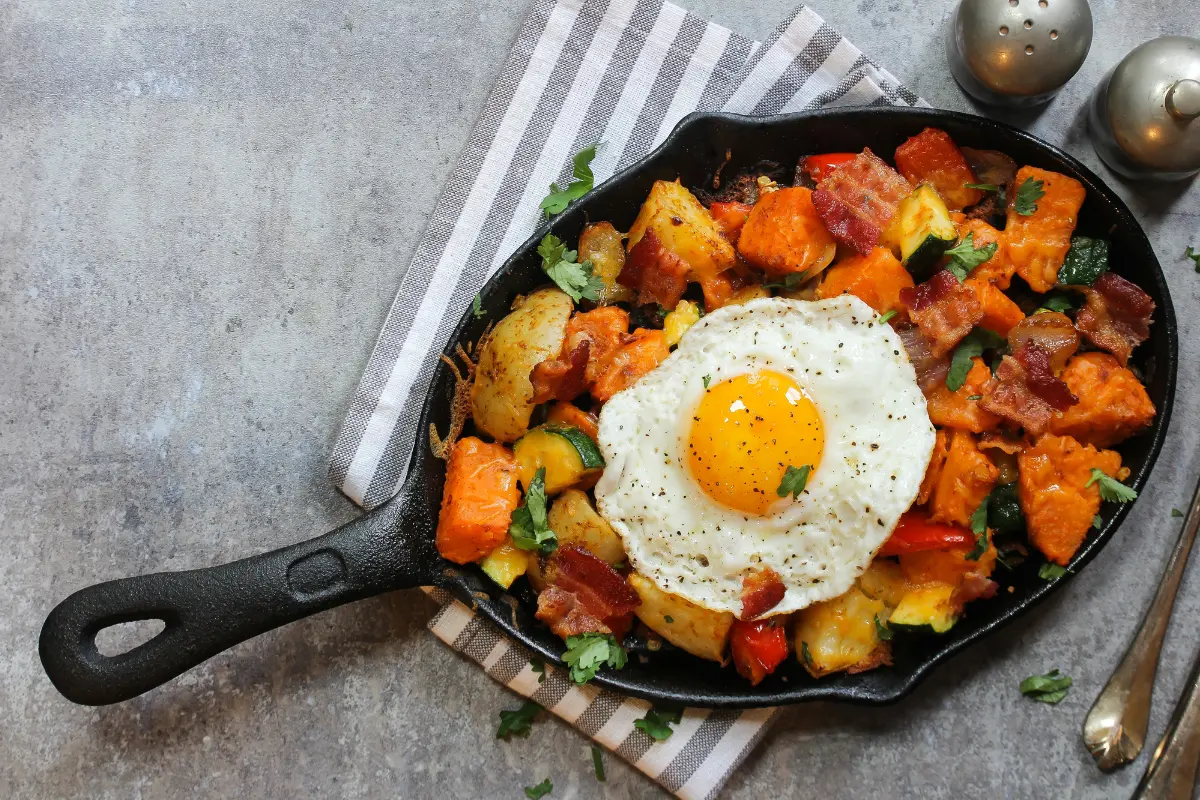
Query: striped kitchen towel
{"points": [[622, 72]]}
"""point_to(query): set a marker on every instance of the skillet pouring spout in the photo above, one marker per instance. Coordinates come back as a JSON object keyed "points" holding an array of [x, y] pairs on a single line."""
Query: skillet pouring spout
{"points": [[212, 609]]}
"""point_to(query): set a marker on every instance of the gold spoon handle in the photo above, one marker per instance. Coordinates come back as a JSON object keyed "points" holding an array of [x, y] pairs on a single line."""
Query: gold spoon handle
{"points": [[1115, 727], [1172, 771]]}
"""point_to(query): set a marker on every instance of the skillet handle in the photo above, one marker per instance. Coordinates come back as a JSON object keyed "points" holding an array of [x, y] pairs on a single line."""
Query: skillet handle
{"points": [[210, 610]]}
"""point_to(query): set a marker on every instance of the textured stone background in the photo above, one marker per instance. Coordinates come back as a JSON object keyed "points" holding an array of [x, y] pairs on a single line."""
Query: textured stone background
{"points": [[204, 211]]}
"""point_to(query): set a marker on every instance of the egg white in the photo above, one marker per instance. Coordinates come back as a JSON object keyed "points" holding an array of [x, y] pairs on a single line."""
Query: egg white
{"points": [[878, 441]]}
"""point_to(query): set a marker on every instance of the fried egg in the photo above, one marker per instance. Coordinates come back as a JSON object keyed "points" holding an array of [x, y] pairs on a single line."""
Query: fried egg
{"points": [[696, 452]]}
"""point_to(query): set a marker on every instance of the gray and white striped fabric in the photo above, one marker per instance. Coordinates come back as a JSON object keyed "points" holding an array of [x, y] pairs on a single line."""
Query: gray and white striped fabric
{"points": [[622, 72]]}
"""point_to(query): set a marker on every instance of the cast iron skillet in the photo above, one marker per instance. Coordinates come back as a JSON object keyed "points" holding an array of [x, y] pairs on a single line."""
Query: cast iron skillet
{"points": [[209, 610]]}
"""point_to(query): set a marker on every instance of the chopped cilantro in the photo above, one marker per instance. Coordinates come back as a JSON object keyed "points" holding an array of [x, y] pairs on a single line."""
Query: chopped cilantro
{"points": [[971, 346], [974, 397], [886, 316], [707, 380], [529, 529], [598, 762], [1111, 489], [572, 277], [1051, 572], [517, 723], [965, 256], [557, 201], [882, 630], [790, 281], [1028, 193], [979, 528], [589, 652], [657, 723], [477, 307], [1097, 522], [983, 187], [794, 480], [538, 666], [539, 791], [668, 619], [1193, 255], [1175, 512], [1049, 688], [806, 655]]}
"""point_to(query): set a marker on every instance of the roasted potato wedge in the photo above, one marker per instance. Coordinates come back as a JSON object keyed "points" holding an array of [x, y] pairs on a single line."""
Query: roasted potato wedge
{"points": [[700, 631], [840, 634], [604, 246], [575, 521], [685, 228], [502, 397]]}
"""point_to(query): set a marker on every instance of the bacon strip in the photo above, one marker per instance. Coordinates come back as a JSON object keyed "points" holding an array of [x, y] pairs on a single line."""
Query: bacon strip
{"points": [[590, 340], [944, 309], [975, 586], [657, 274], [1025, 390], [931, 370], [762, 590], [1116, 317], [561, 378], [858, 200], [589, 597]]}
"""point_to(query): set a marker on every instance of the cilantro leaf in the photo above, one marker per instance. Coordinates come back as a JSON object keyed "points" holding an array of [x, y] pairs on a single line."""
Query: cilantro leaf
{"points": [[598, 763], [529, 529], [539, 791], [965, 256], [1049, 688], [886, 316], [557, 201], [979, 528], [538, 666], [1057, 302], [791, 281], [707, 380], [1193, 255], [1051, 572], [589, 652], [1175, 512], [1028, 193], [983, 187], [882, 630], [794, 481], [972, 345], [576, 279], [1097, 522], [517, 723], [657, 723], [477, 307], [806, 655], [1111, 489]]}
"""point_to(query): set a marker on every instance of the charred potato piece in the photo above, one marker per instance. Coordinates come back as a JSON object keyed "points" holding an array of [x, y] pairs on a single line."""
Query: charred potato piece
{"points": [[502, 397], [604, 246], [685, 228], [700, 631]]}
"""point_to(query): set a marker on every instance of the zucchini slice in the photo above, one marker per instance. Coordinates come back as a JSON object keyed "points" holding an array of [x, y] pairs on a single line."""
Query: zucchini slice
{"points": [[927, 609], [588, 451], [921, 231]]}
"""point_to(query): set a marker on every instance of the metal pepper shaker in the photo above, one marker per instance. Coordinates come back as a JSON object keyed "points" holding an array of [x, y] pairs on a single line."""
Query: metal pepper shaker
{"points": [[1017, 52], [1144, 118]]}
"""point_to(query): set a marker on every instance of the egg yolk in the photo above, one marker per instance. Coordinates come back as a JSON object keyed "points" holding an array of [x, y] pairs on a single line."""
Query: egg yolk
{"points": [[746, 432]]}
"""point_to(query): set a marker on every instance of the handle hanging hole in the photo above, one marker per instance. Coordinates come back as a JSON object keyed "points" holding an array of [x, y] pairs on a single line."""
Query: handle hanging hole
{"points": [[125, 636]]}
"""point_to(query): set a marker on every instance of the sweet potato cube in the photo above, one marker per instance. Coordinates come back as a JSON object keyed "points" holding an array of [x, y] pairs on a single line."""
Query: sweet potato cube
{"points": [[932, 157], [999, 268], [1059, 506], [645, 350], [783, 234], [1000, 314], [1113, 405], [957, 409], [966, 478], [478, 500], [1038, 243], [875, 278]]}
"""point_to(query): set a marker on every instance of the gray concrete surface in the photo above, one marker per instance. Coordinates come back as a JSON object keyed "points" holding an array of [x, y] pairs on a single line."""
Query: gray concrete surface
{"points": [[204, 211]]}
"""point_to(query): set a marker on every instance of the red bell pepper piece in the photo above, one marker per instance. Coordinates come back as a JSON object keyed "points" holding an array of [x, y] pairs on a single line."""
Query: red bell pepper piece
{"points": [[730, 217], [915, 532], [818, 167], [758, 646]]}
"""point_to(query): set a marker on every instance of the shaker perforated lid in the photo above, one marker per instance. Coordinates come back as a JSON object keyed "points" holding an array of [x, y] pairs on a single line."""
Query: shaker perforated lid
{"points": [[1018, 51], [1153, 104]]}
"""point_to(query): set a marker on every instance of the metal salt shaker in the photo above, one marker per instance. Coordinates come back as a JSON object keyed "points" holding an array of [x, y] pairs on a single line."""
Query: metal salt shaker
{"points": [[1017, 52], [1144, 118]]}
